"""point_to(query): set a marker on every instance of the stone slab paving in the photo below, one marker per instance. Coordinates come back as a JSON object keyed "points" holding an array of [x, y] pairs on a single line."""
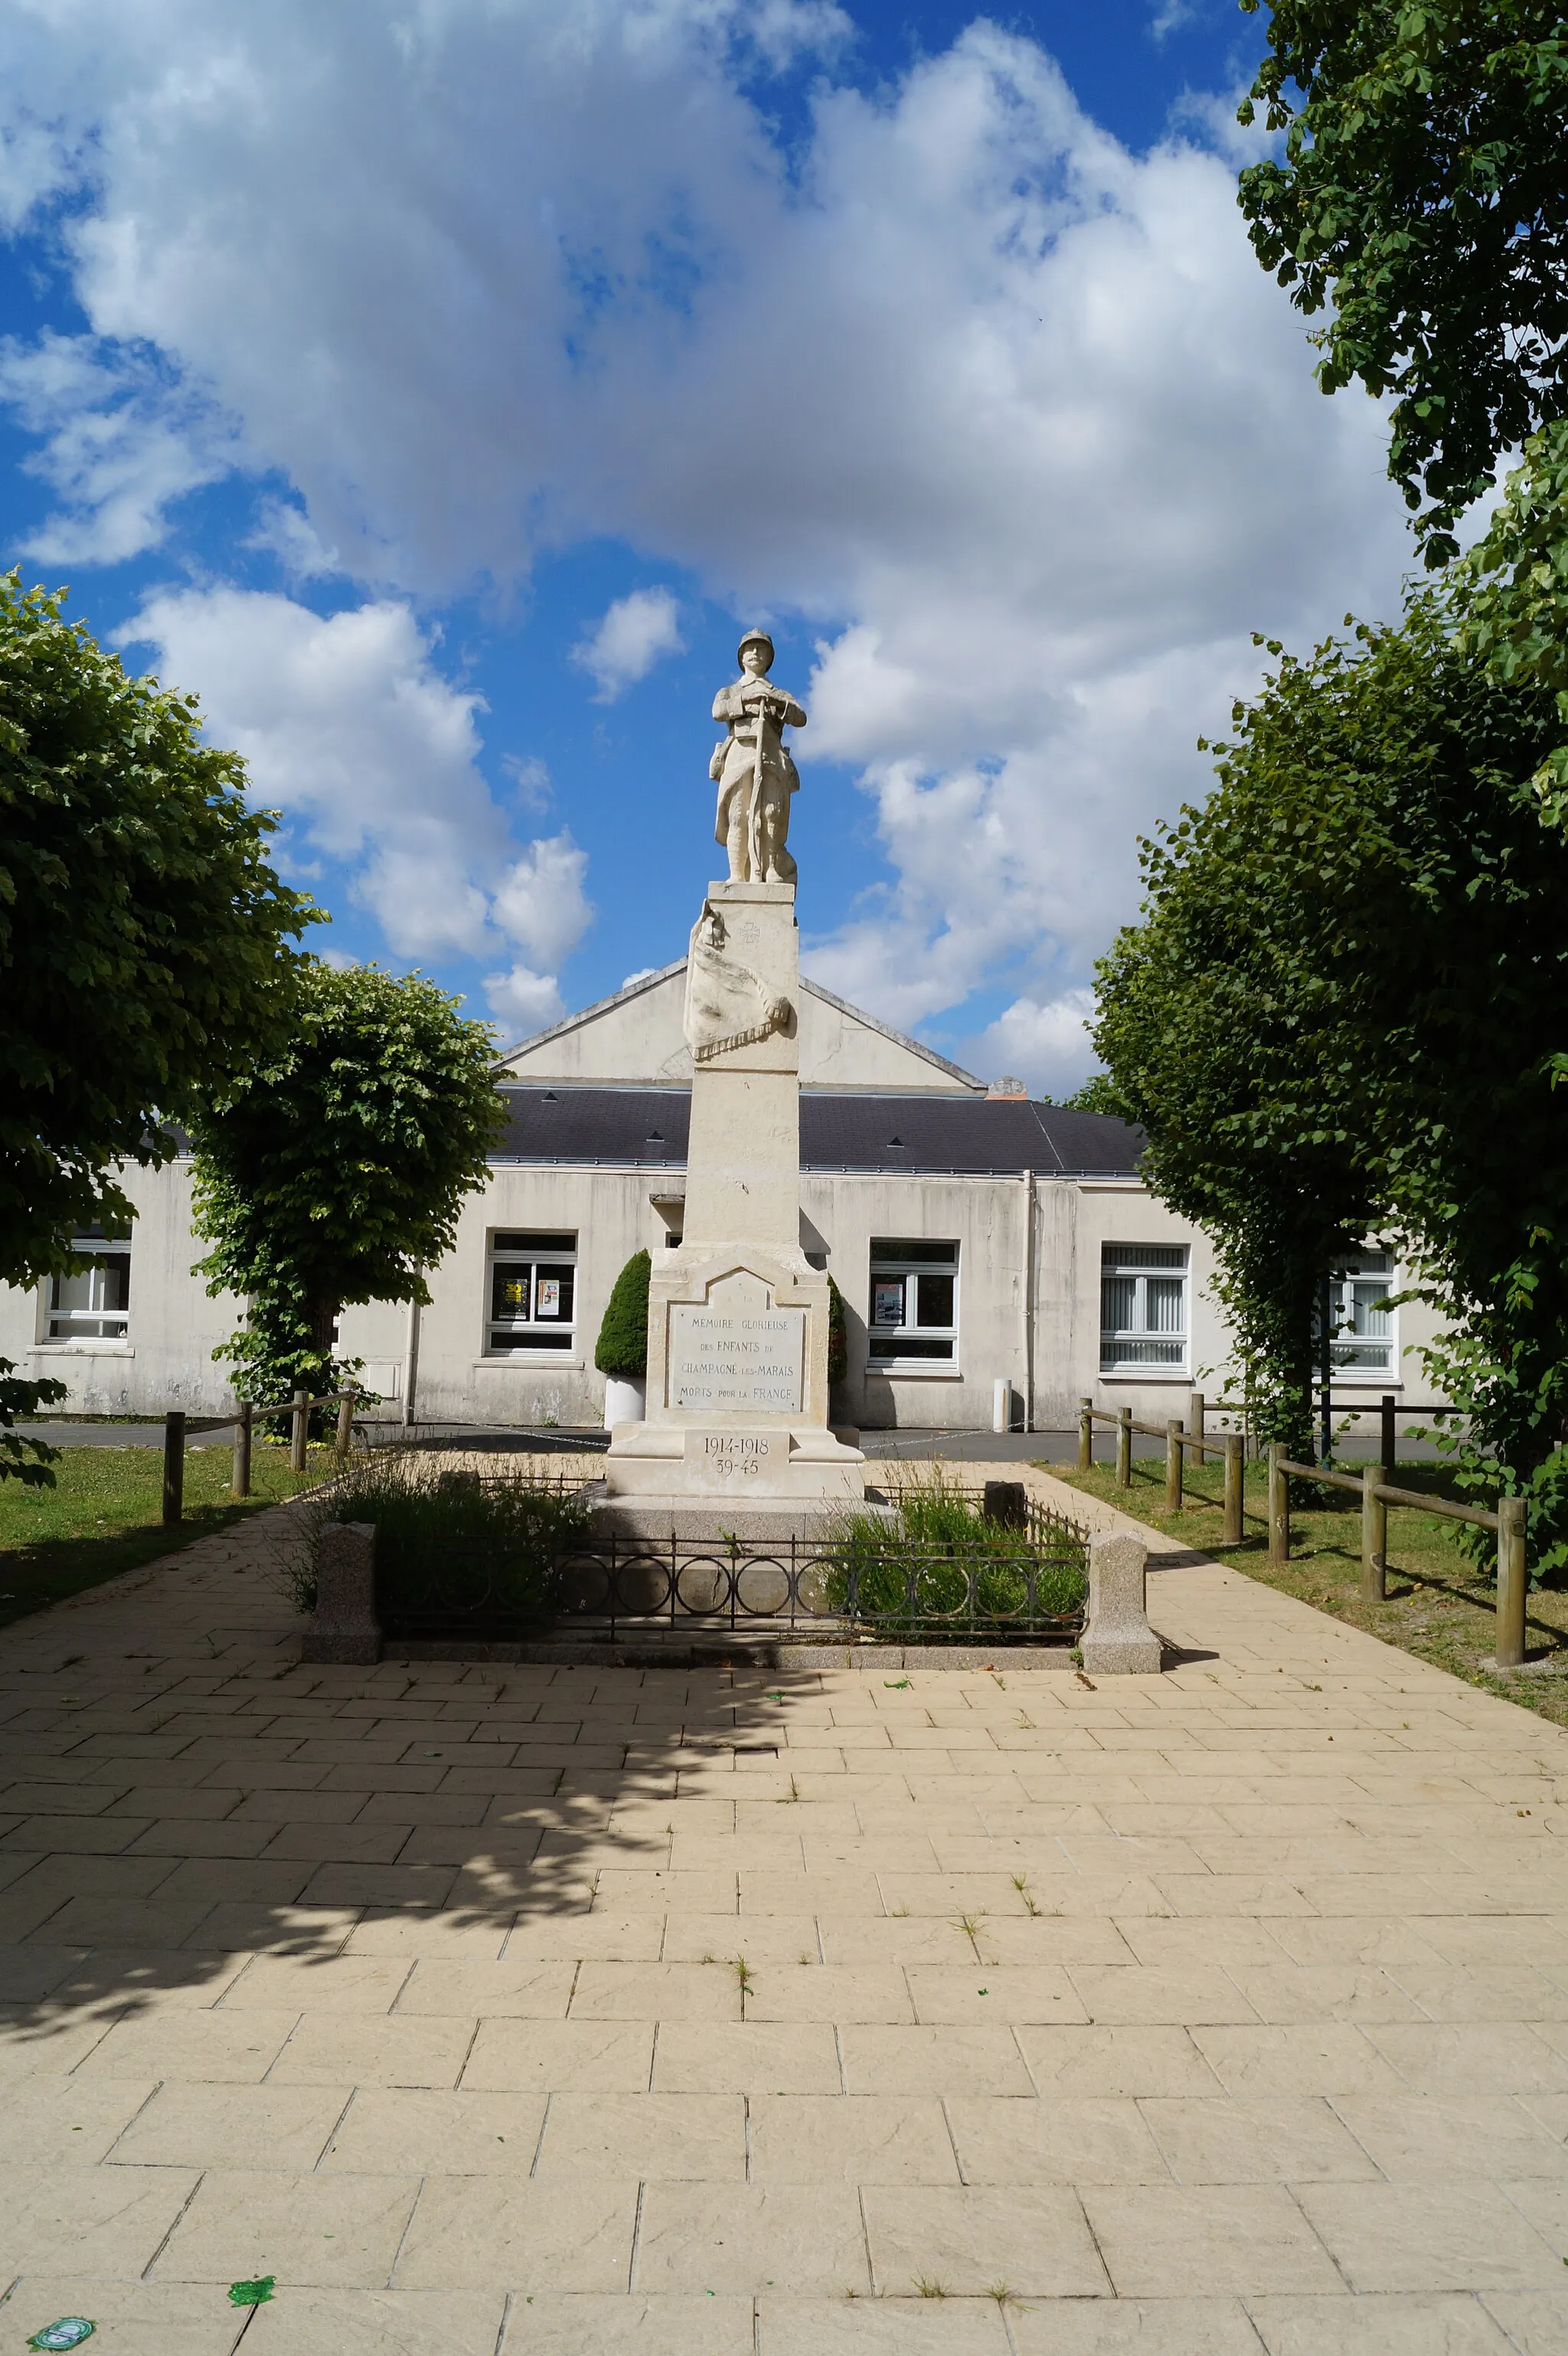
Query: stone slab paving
{"points": [[496, 2011]]}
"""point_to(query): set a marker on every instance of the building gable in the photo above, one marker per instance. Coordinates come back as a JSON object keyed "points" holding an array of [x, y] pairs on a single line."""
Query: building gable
{"points": [[635, 1039]]}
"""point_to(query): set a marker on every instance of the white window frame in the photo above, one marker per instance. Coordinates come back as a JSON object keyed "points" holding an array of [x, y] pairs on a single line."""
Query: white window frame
{"points": [[543, 1252], [92, 1325], [1141, 1264], [897, 1259], [1374, 1266]]}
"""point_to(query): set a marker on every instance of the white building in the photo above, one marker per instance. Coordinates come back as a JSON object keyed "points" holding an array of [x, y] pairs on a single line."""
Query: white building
{"points": [[975, 1235]]}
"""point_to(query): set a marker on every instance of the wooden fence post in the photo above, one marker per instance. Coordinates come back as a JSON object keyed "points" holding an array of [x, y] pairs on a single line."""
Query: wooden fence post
{"points": [[1512, 1585], [1173, 1430], [1232, 1534], [240, 1483], [345, 1427], [1374, 1537], [1124, 1448], [174, 1467], [301, 1431], [1197, 1424], [1278, 1504], [1085, 1434]]}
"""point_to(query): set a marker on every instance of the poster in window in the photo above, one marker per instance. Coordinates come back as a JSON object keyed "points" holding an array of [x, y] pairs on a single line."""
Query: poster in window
{"points": [[513, 1301], [547, 1297], [888, 1300]]}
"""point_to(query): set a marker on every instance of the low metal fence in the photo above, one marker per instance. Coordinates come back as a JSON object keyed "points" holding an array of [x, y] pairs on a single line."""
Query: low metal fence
{"points": [[614, 1585]]}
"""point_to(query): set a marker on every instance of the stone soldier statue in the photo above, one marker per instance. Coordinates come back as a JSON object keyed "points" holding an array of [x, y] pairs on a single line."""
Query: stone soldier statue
{"points": [[753, 770]]}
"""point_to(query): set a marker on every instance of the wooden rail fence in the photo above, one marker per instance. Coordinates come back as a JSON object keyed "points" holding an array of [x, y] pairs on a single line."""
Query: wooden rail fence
{"points": [[1376, 1491], [177, 1426]]}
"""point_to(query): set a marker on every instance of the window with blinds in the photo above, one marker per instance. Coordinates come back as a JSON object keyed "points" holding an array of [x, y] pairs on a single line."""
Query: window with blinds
{"points": [[1143, 1308]]}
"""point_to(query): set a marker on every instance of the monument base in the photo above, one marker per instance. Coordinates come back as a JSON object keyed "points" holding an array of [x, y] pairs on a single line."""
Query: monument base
{"points": [[734, 1461]]}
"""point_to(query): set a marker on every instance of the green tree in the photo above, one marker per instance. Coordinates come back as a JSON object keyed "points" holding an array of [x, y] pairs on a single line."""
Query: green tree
{"points": [[1423, 192], [622, 1346], [144, 953], [1097, 1094], [336, 1172], [1422, 195], [1341, 1016]]}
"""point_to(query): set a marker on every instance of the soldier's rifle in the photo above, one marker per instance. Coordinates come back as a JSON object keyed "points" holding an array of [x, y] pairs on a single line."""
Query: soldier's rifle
{"points": [[754, 828]]}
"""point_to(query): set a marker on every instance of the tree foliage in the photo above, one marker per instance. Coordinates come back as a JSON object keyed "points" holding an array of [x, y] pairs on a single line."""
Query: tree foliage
{"points": [[22, 1458], [1342, 1016], [622, 1346], [144, 952], [336, 1172], [1423, 192]]}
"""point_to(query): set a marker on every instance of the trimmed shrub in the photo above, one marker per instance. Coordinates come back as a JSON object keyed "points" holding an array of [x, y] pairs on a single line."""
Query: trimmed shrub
{"points": [[838, 1335], [622, 1346]]}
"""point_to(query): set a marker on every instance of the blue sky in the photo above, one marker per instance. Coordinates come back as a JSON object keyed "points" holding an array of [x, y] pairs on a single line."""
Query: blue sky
{"points": [[433, 390]]}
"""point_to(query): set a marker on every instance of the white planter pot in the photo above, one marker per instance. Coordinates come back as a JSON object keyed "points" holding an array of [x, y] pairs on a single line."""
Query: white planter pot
{"points": [[623, 1402]]}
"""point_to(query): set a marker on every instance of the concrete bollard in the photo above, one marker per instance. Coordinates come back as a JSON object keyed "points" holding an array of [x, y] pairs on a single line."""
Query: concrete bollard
{"points": [[1001, 1404], [1117, 1638], [1007, 1504], [345, 1627]]}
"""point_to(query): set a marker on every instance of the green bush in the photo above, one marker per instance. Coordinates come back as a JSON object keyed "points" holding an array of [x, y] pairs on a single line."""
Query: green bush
{"points": [[916, 1576], [622, 1346], [838, 1335], [451, 1542]]}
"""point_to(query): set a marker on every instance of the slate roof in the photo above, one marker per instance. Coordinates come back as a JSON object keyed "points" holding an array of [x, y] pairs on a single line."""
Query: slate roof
{"points": [[647, 1128]]}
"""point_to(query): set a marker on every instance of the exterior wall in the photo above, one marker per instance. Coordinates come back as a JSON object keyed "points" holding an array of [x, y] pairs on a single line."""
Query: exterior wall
{"points": [[167, 1361], [174, 1327], [610, 1213]]}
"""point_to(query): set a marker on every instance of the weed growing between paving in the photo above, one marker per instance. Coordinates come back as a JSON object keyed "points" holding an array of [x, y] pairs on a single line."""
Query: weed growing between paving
{"points": [[914, 1576], [1440, 1605], [452, 1541]]}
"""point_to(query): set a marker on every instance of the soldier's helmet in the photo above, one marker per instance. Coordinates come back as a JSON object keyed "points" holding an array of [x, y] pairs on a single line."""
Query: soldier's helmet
{"points": [[755, 638]]}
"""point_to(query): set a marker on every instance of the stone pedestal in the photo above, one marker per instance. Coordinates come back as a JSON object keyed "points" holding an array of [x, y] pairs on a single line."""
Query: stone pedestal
{"points": [[736, 1418], [344, 1627], [1117, 1638]]}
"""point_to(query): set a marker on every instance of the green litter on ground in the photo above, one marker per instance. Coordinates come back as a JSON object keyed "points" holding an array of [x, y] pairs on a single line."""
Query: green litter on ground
{"points": [[252, 2293], [69, 2333]]}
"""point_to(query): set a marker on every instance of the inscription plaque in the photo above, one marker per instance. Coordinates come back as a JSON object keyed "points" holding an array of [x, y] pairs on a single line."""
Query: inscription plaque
{"points": [[737, 1358]]}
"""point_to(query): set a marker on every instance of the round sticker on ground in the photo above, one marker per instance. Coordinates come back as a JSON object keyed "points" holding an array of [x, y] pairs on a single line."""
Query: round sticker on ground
{"points": [[69, 2333]]}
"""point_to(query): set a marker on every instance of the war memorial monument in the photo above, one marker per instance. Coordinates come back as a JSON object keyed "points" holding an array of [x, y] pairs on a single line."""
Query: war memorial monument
{"points": [[735, 1431]]}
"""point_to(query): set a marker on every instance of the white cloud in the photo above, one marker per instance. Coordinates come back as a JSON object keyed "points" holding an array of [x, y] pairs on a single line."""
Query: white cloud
{"points": [[1045, 1042], [120, 445], [540, 901], [523, 1002], [1010, 414], [633, 636], [349, 728]]}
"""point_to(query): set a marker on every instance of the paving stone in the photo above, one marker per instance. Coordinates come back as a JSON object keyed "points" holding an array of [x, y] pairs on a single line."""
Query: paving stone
{"points": [[1130, 2021]]}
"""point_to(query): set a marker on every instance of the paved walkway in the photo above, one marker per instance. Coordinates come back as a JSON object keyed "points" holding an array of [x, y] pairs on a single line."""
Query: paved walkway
{"points": [[693, 2014]]}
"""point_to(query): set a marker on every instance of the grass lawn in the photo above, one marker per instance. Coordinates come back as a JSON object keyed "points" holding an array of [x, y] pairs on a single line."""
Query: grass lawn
{"points": [[105, 1515], [1440, 1601]]}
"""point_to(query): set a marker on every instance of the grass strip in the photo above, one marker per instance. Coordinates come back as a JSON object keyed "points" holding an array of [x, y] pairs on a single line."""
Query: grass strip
{"points": [[1441, 1603]]}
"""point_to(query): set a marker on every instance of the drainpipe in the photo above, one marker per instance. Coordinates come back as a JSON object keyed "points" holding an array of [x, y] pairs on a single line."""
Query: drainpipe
{"points": [[411, 1364], [1029, 1300]]}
